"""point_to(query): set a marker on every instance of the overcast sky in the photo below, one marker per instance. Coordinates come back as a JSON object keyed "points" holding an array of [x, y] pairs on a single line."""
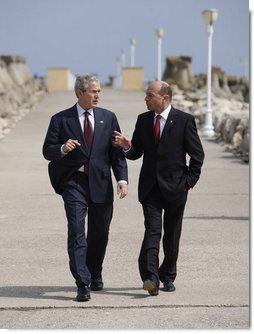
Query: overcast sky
{"points": [[87, 35]]}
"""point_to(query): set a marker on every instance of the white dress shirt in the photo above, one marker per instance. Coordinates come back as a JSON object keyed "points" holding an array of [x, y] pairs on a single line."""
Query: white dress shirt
{"points": [[163, 119], [81, 116]]}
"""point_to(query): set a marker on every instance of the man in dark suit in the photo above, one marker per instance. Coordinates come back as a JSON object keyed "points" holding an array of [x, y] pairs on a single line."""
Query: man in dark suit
{"points": [[164, 136], [79, 145]]}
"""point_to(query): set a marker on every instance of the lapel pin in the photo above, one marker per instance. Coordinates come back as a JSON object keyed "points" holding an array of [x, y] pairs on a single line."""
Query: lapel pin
{"points": [[171, 121], [101, 121]]}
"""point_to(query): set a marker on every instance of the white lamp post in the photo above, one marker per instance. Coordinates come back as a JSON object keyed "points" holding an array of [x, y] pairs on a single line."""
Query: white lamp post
{"points": [[123, 60], [209, 17], [159, 33], [117, 83], [118, 66], [133, 43]]}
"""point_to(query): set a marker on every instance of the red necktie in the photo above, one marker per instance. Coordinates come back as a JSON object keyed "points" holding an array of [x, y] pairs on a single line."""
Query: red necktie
{"points": [[157, 129], [88, 134], [88, 131]]}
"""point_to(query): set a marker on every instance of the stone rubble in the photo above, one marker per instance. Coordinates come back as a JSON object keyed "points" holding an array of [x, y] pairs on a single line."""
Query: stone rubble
{"points": [[230, 118], [230, 102], [19, 91]]}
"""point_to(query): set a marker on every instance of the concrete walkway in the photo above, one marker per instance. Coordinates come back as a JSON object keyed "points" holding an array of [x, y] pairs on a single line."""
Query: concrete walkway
{"points": [[36, 287]]}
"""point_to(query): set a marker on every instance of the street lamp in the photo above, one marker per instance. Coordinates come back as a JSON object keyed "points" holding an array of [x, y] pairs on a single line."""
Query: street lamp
{"points": [[133, 43], [118, 66], [209, 17], [123, 60], [159, 33], [117, 83]]}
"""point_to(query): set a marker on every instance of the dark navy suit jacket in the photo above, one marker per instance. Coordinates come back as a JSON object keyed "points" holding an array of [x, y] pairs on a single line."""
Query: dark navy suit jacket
{"points": [[104, 155], [165, 162]]}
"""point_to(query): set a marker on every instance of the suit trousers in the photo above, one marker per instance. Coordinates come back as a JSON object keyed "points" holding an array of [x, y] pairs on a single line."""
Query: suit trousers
{"points": [[86, 254], [153, 208]]}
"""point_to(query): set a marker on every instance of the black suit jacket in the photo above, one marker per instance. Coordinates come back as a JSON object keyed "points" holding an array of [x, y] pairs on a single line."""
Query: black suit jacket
{"points": [[166, 161], [104, 155]]}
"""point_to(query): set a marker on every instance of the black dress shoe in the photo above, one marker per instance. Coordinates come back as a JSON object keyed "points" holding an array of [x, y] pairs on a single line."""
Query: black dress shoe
{"points": [[168, 286], [96, 284], [151, 287], [83, 294]]}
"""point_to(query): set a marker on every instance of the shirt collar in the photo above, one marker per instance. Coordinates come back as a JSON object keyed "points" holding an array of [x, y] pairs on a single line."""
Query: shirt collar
{"points": [[165, 113], [81, 110]]}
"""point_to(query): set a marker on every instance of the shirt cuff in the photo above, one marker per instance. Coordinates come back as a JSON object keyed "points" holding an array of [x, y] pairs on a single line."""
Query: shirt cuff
{"points": [[122, 181], [62, 151], [126, 151]]}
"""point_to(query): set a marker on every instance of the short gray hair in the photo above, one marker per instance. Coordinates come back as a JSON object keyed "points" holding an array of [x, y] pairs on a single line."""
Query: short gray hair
{"points": [[83, 80]]}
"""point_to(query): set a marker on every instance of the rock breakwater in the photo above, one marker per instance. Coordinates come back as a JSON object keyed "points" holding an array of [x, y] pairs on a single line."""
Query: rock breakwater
{"points": [[230, 118], [19, 91], [230, 101]]}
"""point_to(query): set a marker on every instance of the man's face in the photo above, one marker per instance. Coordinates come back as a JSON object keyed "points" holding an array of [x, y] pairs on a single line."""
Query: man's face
{"points": [[90, 97], [153, 99]]}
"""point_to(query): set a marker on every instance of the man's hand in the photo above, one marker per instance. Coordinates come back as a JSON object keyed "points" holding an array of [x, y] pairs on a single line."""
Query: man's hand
{"points": [[122, 190], [121, 141], [70, 145]]}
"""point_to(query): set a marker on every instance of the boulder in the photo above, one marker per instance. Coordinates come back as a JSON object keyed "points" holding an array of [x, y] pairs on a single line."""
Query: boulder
{"points": [[178, 71], [230, 118], [19, 91]]}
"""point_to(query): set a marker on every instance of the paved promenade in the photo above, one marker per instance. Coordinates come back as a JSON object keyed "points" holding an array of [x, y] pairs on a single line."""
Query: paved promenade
{"points": [[36, 287]]}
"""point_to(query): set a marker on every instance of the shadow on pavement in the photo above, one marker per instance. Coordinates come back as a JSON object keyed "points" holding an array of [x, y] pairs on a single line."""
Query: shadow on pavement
{"points": [[56, 292]]}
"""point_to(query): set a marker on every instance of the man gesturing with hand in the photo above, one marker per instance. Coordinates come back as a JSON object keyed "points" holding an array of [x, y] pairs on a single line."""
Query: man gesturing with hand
{"points": [[81, 153]]}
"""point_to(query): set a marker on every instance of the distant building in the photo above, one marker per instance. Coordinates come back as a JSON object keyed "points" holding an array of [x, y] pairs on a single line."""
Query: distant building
{"points": [[60, 79], [132, 78]]}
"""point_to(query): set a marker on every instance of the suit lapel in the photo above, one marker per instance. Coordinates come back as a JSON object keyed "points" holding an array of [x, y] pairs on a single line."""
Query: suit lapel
{"points": [[150, 127], [75, 128], [168, 125], [99, 124], [170, 122]]}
